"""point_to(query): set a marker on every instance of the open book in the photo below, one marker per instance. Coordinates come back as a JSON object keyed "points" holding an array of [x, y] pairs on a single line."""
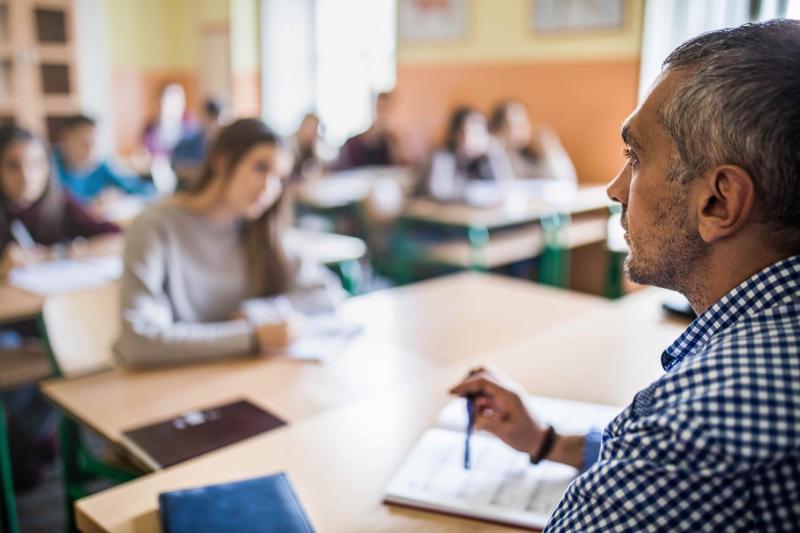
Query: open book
{"points": [[501, 486]]}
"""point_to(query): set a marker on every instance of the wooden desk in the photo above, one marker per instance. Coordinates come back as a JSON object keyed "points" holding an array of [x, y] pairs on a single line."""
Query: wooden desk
{"points": [[17, 304], [408, 332], [521, 236], [518, 209], [340, 461], [343, 189]]}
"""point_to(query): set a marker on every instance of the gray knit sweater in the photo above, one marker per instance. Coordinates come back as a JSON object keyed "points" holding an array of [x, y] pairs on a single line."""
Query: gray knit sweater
{"points": [[183, 282]]}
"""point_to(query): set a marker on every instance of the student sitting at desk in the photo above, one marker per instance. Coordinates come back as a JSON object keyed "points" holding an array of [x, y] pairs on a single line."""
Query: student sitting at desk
{"points": [[311, 153], [35, 211], [190, 152], [534, 152], [84, 175], [378, 146], [470, 168], [206, 275]]}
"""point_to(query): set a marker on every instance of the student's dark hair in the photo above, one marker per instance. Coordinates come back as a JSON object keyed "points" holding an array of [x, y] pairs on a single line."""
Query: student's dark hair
{"points": [[740, 105], [267, 265], [74, 121], [212, 108], [456, 124], [51, 201], [499, 114]]}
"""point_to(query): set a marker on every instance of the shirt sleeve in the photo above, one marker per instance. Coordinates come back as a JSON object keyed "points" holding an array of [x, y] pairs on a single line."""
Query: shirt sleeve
{"points": [[149, 334], [591, 448], [129, 184], [672, 467], [81, 223]]}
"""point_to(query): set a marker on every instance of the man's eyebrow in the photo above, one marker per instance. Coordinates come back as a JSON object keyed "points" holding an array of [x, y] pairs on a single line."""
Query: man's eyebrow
{"points": [[628, 137]]}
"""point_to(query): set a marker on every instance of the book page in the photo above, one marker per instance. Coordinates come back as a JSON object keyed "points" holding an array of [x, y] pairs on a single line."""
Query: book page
{"points": [[501, 484]]}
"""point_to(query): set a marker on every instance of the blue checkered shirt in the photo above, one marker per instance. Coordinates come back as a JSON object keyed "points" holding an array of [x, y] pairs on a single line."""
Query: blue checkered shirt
{"points": [[714, 444]]}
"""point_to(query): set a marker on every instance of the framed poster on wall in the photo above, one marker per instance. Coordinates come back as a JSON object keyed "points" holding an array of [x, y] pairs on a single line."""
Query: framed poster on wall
{"points": [[432, 20], [557, 16]]}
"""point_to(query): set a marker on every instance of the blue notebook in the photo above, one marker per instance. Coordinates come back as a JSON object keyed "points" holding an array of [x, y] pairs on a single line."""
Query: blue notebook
{"points": [[252, 505]]}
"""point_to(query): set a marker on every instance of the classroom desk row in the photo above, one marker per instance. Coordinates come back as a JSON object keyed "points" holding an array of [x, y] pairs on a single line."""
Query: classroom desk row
{"points": [[353, 419], [508, 231], [327, 248]]}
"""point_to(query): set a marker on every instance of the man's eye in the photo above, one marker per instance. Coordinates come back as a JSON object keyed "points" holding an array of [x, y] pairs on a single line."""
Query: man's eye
{"points": [[631, 156]]}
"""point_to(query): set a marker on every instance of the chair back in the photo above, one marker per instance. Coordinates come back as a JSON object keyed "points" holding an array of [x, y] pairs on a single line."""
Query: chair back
{"points": [[81, 328]]}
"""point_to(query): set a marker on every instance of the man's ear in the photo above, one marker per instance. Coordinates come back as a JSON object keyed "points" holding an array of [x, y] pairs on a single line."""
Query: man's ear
{"points": [[726, 197]]}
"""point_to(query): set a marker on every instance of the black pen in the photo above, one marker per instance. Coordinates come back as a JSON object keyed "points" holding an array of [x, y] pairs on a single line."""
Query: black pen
{"points": [[470, 425]]}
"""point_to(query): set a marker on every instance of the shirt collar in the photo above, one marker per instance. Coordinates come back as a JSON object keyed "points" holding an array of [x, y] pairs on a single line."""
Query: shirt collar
{"points": [[777, 283]]}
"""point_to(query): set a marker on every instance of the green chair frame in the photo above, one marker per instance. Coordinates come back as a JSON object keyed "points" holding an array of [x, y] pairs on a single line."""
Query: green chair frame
{"points": [[8, 500], [80, 465]]}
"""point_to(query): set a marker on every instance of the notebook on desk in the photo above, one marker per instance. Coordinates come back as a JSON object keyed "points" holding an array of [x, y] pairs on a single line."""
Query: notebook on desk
{"points": [[194, 433], [64, 275], [261, 504], [501, 486]]}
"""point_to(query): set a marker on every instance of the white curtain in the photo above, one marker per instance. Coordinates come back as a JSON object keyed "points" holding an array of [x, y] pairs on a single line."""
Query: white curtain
{"points": [[94, 77], [668, 23]]}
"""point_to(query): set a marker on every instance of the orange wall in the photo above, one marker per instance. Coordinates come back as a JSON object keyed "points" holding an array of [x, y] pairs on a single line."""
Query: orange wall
{"points": [[584, 101]]}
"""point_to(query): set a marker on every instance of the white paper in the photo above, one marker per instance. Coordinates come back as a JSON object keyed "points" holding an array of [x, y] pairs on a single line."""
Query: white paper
{"points": [[501, 485], [66, 275], [322, 337]]}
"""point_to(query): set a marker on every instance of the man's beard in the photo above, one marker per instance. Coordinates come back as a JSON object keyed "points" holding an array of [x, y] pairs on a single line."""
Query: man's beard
{"points": [[675, 255]]}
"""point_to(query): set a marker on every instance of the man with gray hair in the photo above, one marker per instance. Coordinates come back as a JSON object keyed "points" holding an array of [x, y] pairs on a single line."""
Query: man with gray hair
{"points": [[711, 207]]}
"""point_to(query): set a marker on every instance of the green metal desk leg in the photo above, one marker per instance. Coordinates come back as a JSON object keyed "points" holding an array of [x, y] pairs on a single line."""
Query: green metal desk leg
{"points": [[478, 237]]}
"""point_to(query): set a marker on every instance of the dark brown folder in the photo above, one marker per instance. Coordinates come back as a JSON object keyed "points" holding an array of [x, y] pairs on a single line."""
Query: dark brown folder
{"points": [[197, 432]]}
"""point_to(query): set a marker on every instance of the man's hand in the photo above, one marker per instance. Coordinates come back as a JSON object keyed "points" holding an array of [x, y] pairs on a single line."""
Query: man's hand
{"points": [[500, 409]]}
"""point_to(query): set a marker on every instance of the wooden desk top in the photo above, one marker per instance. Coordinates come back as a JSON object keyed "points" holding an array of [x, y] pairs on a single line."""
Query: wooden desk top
{"points": [[518, 209], [408, 332], [17, 304], [340, 461], [326, 248], [341, 189]]}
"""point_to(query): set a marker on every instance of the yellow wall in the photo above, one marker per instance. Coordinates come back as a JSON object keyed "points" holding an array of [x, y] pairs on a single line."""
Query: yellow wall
{"points": [[151, 34], [499, 31]]}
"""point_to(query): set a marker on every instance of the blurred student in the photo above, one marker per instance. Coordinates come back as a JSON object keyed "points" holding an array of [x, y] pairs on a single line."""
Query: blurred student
{"points": [[162, 134], [206, 274], [37, 216], [470, 168], [534, 151], [82, 172], [311, 152], [190, 152], [378, 146]]}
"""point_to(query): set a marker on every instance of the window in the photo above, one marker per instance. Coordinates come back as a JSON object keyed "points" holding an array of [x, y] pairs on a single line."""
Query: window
{"points": [[668, 23], [327, 56]]}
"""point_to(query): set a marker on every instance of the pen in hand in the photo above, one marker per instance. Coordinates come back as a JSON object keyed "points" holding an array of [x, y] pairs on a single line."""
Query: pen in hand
{"points": [[470, 426]]}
